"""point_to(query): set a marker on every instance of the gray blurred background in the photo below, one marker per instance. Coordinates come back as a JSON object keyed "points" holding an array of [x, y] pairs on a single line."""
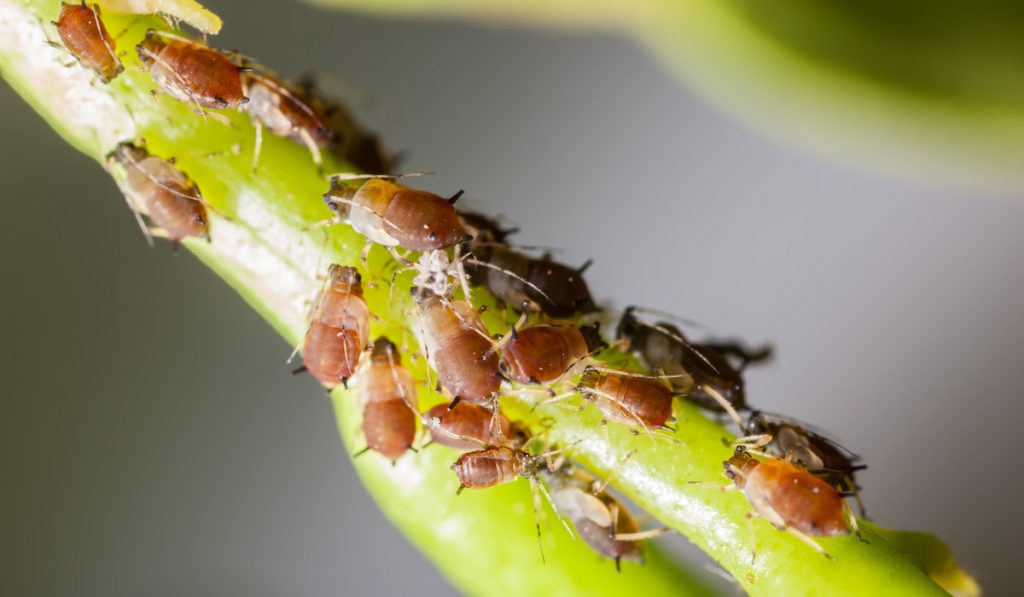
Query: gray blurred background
{"points": [[154, 443]]}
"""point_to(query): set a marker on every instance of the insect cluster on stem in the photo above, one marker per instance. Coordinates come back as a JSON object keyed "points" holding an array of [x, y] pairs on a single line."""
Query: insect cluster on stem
{"points": [[793, 476]]}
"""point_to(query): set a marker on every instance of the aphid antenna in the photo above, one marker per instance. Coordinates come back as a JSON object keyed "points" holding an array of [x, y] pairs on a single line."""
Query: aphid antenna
{"points": [[533, 286], [634, 373], [642, 535], [725, 404], [554, 399], [99, 26], [468, 325], [360, 176], [137, 214]]}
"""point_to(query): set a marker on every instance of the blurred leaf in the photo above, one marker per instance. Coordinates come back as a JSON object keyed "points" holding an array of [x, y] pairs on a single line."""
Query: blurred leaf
{"points": [[929, 89]]}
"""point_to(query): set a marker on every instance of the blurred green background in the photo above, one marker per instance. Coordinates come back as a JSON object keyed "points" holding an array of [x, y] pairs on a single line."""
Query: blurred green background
{"points": [[155, 443]]}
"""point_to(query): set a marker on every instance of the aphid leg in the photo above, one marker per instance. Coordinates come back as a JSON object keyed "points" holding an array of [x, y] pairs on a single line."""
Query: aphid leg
{"points": [[399, 257], [314, 150], [709, 484], [361, 452], [642, 535], [137, 214], [257, 145], [855, 492], [808, 540], [755, 442], [507, 337], [852, 520], [600, 486]]}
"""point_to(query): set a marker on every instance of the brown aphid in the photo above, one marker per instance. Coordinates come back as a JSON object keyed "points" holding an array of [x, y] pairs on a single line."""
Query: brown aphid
{"points": [[391, 214], [545, 353], [791, 498], [84, 35], [599, 518], [468, 426], [494, 466], [285, 111], [191, 72], [629, 399], [390, 403], [339, 328], [459, 348], [526, 283], [797, 443], [156, 187]]}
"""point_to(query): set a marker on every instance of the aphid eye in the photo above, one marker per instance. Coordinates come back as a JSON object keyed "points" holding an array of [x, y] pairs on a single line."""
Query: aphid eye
{"points": [[199, 219]]}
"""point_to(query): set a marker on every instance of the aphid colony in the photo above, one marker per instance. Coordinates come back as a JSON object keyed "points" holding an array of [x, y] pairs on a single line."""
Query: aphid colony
{"points": [[798, 480]]}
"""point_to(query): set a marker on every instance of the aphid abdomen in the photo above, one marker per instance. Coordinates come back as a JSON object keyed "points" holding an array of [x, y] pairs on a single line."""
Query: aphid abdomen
{"points": [[422, 221], [331, 354], [389, 427], [180, 216], [634, 401], [600, 539], [800, 499], [565, 293], [466, 420], [486, 468], [467, 367], [86, 37], [542, 353]]}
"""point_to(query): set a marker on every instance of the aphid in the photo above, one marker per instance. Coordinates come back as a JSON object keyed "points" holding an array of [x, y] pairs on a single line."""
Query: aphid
{"points": [[528, 284], [545, 353], [459, 348], [156, 187], [391, 214], [285, 111], [700, 371], [600, 519], [468, 426], [791, 498], [485, 468], [794, 442], [192, 72], [390, 408], [339, 328], [629, 399], [485, 230], [85, 36]]}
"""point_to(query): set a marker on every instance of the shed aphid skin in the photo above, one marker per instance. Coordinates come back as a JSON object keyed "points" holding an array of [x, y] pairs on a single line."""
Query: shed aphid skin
{"points": [[86, 38], [390, 405], [287, 111], [543, 353], [526, 283], [468, 426], [600, 519], [157, 188], [700, 371], [795, 442], [791, 498], [640, 402], [459, 349], [339, 328], [394, 215], [192, 72]]}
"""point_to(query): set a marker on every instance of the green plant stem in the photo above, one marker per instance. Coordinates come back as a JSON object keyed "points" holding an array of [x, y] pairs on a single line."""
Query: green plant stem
{"points": [[483, 541]]}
